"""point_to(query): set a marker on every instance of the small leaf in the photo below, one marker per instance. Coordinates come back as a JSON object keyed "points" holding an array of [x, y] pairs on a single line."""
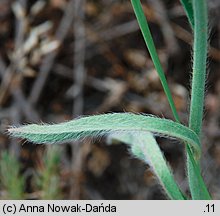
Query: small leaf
{"points": [[144, 146]]}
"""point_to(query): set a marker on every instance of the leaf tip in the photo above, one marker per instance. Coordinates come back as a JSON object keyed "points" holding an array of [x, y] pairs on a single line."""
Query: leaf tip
{"points": [[12, 131]]}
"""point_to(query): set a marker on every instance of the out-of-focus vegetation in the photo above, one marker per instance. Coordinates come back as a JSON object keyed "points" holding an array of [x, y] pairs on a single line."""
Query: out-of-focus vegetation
{"points": [[11, 181], [47, 177]]}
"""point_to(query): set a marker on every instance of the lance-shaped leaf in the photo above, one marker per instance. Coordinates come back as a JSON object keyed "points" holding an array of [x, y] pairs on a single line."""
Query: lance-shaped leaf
{"points": [[188, 7], [99, 125], [144, 146]]}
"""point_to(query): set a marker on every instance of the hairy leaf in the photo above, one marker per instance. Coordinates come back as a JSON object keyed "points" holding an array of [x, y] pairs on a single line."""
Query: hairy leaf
{"points": [[99, 125], [144, 146]]}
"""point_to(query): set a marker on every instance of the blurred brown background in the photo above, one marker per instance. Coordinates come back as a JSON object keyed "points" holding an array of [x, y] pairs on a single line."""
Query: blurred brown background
{"points": [[61, 59]]}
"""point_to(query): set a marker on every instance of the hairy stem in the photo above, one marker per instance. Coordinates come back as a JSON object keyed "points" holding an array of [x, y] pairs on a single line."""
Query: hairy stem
{"points": [[195, 178], [199, 65], [198, 88]]}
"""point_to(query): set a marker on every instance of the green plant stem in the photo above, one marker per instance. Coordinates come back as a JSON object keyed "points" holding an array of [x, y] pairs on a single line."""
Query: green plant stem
{"points": [[199, 65], [198, 191], [195, 179], [197, 186], [153, 53], [198, 89]]}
